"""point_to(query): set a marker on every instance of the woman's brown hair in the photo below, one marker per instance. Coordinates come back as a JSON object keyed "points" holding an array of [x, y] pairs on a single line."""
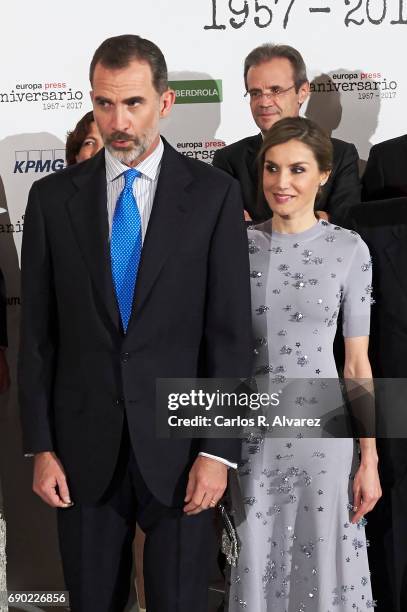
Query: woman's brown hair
{"points": [[75, 139]]}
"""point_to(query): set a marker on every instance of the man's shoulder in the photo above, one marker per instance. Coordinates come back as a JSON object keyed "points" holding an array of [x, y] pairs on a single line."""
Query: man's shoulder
{"points": [[342, 147], [61, 179], [250, 143], [198, 170], [390, 146]]}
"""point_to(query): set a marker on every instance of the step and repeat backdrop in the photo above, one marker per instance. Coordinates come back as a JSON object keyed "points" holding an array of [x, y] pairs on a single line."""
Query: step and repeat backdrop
{"points": [[355, 55]]}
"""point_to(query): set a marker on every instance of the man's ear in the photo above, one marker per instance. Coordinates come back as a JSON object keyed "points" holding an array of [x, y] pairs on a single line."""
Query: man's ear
{"points": [[303, 92], [167, 100]]}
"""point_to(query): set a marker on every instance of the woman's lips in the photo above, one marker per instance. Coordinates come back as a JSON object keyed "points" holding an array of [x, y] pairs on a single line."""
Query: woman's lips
{"points": [[282, 198]]}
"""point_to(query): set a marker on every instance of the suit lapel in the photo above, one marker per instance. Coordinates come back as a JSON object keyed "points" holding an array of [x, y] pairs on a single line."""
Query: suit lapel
{"points": [[171, 203], [88, 212], [251, 157], [260, 206], [397, 255]]}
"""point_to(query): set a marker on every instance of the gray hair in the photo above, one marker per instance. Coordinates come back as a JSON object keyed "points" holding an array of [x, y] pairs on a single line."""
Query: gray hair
{"points": [[269, 51]]}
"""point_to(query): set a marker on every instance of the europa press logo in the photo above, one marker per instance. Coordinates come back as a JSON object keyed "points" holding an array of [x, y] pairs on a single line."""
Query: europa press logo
{"points": [[38, 161], [365, 85], [51, 95]]}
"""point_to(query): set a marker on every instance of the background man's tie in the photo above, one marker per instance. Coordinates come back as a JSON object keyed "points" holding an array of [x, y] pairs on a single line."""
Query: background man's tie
{"points": [[125, 246]]}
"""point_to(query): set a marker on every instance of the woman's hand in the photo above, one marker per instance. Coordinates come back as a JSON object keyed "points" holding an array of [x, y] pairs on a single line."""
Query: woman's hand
{"points": [[366, 489]]}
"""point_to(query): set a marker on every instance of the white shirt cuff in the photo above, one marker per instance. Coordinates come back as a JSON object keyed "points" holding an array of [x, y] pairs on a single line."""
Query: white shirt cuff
{"points": [[221, 459]]}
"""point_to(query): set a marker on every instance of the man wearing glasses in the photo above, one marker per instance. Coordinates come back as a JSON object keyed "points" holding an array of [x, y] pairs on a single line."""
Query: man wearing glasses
{"points": [[276, 84]]}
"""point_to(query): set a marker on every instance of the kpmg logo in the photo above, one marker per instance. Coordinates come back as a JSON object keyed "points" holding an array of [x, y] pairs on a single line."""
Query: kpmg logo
{"points": [[38, 161]]}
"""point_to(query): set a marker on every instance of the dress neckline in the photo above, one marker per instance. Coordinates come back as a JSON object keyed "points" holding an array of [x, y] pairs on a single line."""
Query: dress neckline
{"points": [[312, 232]]}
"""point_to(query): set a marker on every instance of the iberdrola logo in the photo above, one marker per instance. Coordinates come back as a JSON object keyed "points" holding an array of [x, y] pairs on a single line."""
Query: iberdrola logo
{"points": [[197, 92]]}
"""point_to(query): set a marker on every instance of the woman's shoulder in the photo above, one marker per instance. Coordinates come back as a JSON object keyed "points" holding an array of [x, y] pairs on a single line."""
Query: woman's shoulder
{"points": [[342, 236], [259, 235]]}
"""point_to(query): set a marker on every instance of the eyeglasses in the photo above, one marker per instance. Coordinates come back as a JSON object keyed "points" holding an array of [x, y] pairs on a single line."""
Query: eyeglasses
{"points": [[274, 92]]}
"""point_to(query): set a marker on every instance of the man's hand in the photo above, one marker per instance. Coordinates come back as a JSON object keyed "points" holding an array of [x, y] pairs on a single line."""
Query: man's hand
{"points": [[206, 485], [50, 481], [4, 372]]}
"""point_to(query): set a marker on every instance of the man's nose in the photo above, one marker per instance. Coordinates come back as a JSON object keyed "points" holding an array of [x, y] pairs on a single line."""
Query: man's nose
{"points": [[120, 120], [266, 101]]}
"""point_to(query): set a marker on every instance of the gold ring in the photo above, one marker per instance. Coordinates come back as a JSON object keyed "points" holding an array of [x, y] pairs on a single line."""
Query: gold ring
{"points": [[212, 503]]}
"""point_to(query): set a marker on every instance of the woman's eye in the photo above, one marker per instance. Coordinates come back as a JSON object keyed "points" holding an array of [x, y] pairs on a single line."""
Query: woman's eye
{"points": [[88, 142], [298, 169], [271, 168]]}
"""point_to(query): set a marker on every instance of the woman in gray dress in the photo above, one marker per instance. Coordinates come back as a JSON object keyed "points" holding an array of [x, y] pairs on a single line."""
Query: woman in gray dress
{"points": [[299, 503]]}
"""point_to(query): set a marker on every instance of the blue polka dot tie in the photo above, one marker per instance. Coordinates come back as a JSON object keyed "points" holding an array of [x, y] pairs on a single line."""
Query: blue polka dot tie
{"points": [[125, 246]]}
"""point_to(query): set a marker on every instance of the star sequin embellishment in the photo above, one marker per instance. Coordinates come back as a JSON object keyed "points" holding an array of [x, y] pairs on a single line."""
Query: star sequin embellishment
{"points": [[318, 371]]}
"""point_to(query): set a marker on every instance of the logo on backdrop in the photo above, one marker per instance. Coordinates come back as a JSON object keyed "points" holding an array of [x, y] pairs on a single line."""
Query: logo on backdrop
{"points": [[363, 85], [48, 95], [203, 150], [38, 161], [231, 15], [197, 91]]}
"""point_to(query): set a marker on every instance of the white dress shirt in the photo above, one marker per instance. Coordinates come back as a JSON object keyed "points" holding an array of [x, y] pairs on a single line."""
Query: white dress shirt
{"points": [[144, 188]]}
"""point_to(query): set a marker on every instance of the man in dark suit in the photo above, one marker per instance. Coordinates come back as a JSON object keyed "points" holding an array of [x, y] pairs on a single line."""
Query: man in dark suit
{"points": [[385, 173], [4, 370], [383, 226], [276, 83], [141, 220]]}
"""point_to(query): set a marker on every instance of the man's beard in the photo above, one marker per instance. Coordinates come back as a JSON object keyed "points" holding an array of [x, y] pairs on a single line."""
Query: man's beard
{"points": [[136, 149]]}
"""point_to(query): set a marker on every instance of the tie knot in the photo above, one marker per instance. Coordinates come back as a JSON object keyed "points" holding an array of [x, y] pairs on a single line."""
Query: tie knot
{"points": [[129, 177]]}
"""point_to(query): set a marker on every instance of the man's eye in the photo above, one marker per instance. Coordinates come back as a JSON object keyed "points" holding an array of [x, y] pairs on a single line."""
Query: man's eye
{"points": [[103, 103], [275, 90]]}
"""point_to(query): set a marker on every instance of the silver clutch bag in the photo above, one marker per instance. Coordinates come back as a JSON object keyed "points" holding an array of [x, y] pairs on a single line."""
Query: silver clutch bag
{"points": [[230, 543]]}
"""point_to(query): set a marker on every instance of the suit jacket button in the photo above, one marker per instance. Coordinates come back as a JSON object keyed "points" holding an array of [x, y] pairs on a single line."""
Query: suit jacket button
{"points": [[125, 357], [119, 401]]}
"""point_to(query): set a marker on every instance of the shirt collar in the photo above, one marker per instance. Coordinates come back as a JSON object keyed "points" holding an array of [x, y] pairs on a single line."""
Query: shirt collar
{"points": [[149, 167]]}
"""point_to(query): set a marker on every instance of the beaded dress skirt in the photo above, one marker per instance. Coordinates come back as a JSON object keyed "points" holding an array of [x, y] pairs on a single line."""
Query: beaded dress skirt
{"points": [[292, 496]]}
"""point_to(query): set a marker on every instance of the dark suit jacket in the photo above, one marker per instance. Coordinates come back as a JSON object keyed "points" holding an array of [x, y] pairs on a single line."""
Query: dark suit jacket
{"points": [[80, 377], [386, 170], [383, 226], [3, 311], [342, 189]]}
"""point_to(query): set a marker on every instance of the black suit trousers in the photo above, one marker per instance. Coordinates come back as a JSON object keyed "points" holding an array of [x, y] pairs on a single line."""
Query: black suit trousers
{"points": [[96, 546]]}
